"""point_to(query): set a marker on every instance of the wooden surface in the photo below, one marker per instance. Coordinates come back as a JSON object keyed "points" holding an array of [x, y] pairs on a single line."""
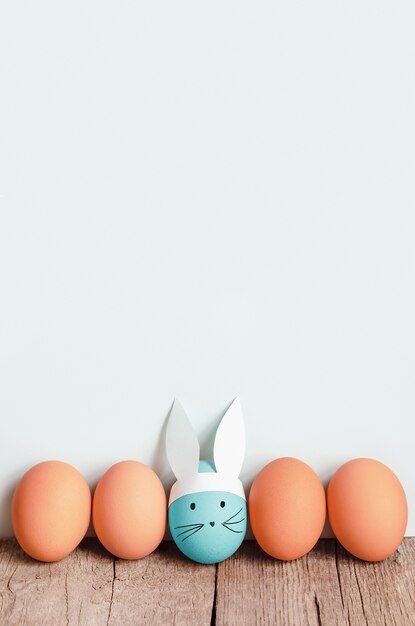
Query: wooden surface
{"points": [[90, 587]]}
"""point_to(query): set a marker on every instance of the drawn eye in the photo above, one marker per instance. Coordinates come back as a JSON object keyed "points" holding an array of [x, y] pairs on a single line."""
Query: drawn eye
{"points": [[193, 506], [222, 504]]}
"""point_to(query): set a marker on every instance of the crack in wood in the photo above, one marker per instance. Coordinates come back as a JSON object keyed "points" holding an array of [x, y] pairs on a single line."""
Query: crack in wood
{"points": [[336, 560], [360, 592], [213, 617], [67, 599], [112, 590], [317, 604]]}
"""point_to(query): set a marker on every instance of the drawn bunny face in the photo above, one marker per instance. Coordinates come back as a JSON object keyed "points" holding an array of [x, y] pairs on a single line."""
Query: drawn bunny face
{"points": [[207, 507]]}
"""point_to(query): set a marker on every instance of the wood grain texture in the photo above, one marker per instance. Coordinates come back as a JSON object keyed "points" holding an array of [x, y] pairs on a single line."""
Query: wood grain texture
{"points": [[91, 588], [327, 587], [255, 588], [163, 589], [76, 590], [382, 593]]}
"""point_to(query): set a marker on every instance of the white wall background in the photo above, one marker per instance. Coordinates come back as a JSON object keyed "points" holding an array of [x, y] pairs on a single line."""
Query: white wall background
{"points": [[206, 199]]}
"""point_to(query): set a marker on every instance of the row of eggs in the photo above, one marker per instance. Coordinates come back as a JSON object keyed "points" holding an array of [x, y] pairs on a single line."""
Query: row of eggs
{"points": [[366, 505]]}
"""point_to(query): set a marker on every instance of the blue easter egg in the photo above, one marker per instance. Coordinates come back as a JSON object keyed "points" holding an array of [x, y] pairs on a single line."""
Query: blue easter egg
{"points": [[208, 527]]}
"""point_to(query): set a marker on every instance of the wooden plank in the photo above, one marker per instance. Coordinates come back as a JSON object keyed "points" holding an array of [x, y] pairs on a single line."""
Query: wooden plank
{"points": [[379, 593], [327, 587], [76, 590], [163, 589], [90, 588], [254, 588]]}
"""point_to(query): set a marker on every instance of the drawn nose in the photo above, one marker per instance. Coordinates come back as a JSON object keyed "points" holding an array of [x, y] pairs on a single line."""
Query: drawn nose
{"points": [[212, 523]]}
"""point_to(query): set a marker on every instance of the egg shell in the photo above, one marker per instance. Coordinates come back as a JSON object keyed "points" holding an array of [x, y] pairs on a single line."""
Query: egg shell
{"points": [[129, 510], [287, 508], [51, 510], [367, 509]]}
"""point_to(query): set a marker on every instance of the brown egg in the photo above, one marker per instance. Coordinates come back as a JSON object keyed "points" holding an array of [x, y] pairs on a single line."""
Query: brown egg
{"points": [[129, 510], [51, 510], [367, 509], [287, 508]]}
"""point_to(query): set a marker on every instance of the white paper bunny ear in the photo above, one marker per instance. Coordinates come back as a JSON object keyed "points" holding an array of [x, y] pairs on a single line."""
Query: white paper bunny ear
{"points": [[181, 443], [229, 448]]}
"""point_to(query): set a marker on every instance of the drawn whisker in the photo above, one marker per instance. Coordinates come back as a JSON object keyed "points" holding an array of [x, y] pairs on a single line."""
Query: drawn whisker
{"points": [[236, 522], [189, 530], [195, 531], [229, 518], [185, 525], [231, 529]]}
